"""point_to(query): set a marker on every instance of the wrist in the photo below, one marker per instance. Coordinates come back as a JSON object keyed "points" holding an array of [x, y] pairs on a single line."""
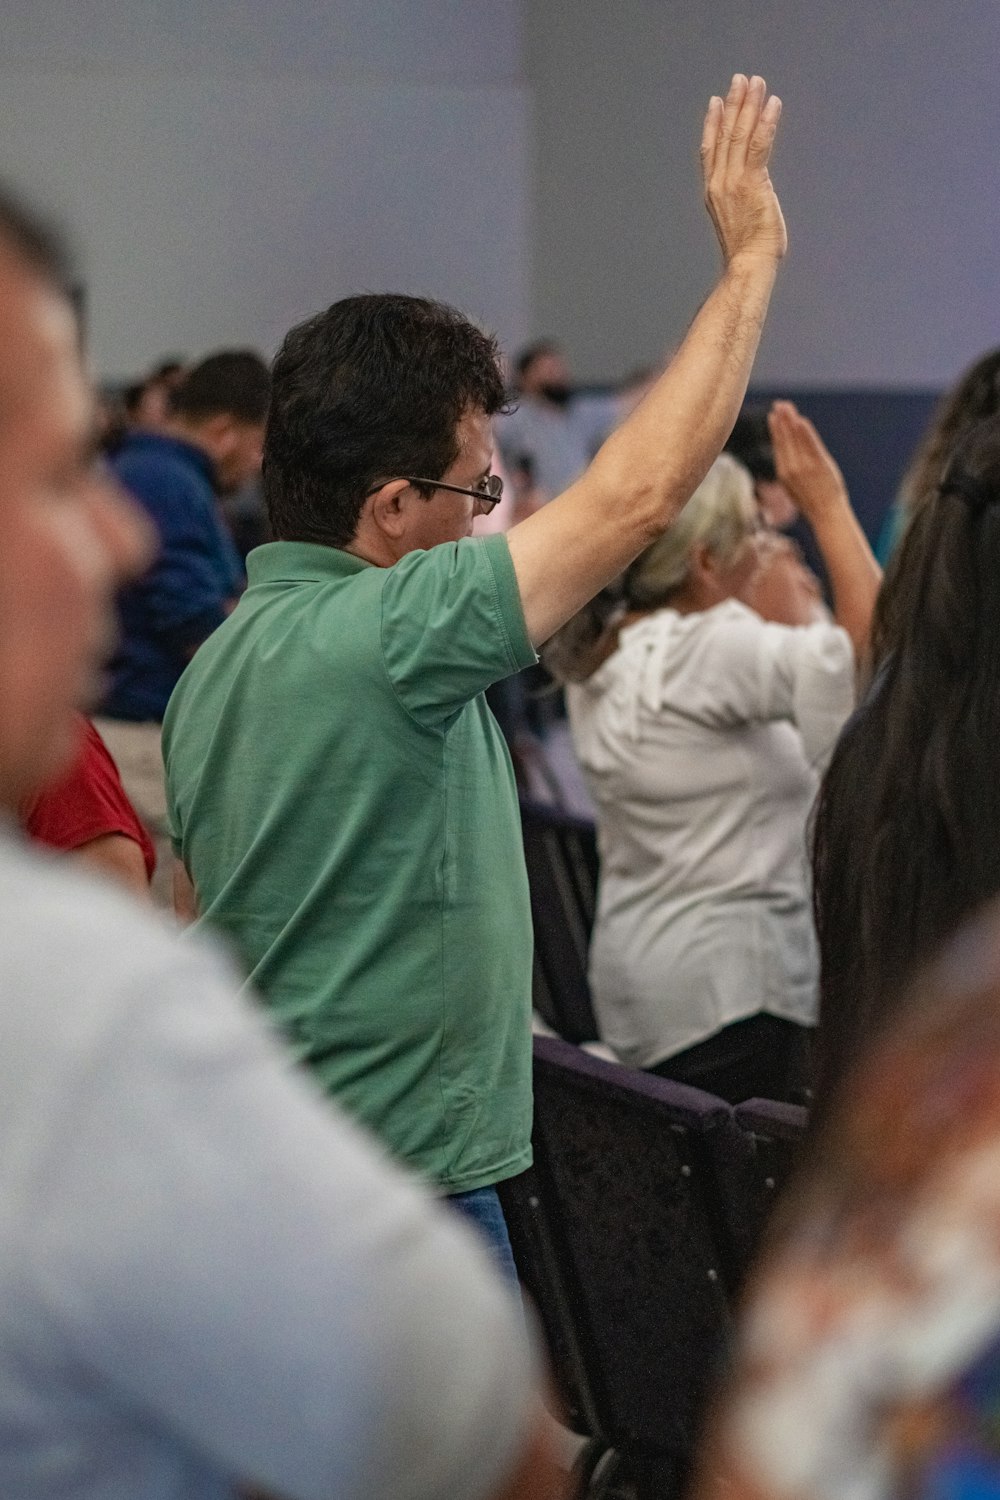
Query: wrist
{"points": [[832, 509], [757, 263]]}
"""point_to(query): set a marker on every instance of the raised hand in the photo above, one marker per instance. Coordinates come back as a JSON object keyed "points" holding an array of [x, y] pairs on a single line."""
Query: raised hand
{"points": [[804, 464], [735, 150], [781, 588]]}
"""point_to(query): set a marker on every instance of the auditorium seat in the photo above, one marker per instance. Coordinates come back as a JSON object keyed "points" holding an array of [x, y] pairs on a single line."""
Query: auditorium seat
{"points": [[560, 852], [632, 1233], [778, 1132]]}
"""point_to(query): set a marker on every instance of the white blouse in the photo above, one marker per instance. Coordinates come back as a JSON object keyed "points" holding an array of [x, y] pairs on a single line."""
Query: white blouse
{"points": [[702, 739]]}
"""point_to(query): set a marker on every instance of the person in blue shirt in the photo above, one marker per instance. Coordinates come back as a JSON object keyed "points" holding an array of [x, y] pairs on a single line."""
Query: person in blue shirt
{"points": [[211, 446]]}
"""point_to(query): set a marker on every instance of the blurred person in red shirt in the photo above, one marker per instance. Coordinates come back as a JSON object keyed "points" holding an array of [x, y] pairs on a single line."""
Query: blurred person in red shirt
{"points": [[87, 813]]}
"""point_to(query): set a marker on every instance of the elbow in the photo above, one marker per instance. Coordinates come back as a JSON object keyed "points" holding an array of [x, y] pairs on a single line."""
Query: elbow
{"points": [[649, 500]]}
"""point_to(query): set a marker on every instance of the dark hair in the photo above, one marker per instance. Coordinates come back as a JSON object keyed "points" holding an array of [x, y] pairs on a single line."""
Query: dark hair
{"points": [[373, 387], [131, 397], [235, 382], [167, 368], [975, 397], [527, 356], [750, 442], [36, 243], [906, 835]]}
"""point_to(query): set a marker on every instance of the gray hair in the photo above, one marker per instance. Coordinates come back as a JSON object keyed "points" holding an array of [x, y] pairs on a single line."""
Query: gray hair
{"points": [[719, 516]]}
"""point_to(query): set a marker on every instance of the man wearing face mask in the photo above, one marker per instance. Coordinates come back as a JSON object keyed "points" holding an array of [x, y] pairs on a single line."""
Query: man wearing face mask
{"points": [[555, 430]]}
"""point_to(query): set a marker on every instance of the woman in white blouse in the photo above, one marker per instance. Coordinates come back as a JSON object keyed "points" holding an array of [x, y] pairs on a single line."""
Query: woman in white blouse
{"points": [[703, 708]]}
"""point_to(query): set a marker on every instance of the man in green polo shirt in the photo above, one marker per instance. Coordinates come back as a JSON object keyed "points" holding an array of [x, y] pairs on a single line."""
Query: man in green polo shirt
{"points": [[340, 796]]}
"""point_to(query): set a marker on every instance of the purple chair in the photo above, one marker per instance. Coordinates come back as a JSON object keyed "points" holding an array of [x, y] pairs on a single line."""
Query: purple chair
{"points": [[778, 1132], [560, 852], [631, 1234]]}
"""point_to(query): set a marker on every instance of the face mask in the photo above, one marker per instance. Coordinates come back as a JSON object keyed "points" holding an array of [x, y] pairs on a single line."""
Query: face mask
{"points": [[557, 393]]}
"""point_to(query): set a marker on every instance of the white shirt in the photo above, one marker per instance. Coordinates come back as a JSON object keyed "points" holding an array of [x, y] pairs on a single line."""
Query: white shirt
{"points": [[701, 739], [206, 1273]]}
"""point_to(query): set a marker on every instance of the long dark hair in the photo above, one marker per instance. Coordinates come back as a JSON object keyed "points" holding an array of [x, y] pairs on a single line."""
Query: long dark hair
{"points": [[907, 826], [975, 398]]}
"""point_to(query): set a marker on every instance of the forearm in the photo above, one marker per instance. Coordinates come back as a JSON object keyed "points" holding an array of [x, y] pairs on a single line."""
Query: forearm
{"points": [[855, 576], [646, 471], [185, 897], [654, 461], [117, 856]]}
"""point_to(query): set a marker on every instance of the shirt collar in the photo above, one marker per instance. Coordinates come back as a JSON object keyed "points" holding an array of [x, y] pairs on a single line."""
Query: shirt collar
{"points": [[301, 562]]}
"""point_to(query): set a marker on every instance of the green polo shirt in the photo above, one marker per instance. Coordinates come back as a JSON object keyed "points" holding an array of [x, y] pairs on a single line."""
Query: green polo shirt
{"points": [[345, 804]]}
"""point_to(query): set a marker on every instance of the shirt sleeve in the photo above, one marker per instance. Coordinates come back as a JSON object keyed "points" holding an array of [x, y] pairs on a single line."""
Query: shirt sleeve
{"points": [[239, 1264], [749, 669], [452, 624], [87, 803]]}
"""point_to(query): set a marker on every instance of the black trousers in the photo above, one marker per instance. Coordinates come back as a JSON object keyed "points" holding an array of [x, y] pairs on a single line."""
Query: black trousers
{"points": [[760, 1057]]}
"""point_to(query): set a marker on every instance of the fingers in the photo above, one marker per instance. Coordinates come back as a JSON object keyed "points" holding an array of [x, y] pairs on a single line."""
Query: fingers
{"points": [[710, 136], [740, 123], [783, 424], [797, 435], [730, 114], [737, 139], [803, 463], [762, 137]]}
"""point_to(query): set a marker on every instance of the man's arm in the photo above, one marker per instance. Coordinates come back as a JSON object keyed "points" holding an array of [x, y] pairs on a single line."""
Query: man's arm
{"points": [[117, 856], [185, 896], [649, 467]]}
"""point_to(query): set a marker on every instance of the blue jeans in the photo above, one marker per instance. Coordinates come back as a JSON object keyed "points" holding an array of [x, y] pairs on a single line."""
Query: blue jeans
{"points": [[482, 1208]]}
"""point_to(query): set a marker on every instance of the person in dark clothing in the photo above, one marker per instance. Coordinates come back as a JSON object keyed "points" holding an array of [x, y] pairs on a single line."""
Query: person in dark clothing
{"points": [[212, 446]]}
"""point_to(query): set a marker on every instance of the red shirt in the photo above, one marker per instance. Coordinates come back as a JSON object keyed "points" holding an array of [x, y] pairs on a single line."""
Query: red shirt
{"points": [[86, 803]]}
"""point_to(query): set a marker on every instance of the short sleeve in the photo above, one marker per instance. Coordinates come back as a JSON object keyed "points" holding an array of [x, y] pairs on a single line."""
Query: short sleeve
{"points": [[746, 669], [88, 802], [452, 625]]}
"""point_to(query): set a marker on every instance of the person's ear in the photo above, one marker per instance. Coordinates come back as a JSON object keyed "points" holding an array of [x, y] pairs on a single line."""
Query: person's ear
{"points": [[703, 566], [218, 435], [388, 508], [707, 580]]}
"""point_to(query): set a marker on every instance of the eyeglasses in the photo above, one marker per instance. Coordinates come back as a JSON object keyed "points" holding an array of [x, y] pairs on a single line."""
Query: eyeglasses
{"points": [[489, 493]]}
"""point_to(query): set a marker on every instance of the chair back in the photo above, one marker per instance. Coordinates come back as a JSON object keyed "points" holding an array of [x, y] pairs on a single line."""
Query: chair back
{"points": [[560, 852], [778, 1132], [639, 1261]]}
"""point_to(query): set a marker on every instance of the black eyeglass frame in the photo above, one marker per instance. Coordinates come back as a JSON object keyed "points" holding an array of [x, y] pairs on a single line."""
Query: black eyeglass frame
{"points": [[488, 497]]}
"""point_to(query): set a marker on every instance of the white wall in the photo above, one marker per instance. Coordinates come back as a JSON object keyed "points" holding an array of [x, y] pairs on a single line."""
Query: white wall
{"points": [[231, 167], [887, 167]]}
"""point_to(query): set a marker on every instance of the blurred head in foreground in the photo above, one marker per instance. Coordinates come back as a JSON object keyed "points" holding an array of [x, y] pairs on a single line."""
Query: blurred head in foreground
{"points": [[869, 1356], [68, 538]]}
